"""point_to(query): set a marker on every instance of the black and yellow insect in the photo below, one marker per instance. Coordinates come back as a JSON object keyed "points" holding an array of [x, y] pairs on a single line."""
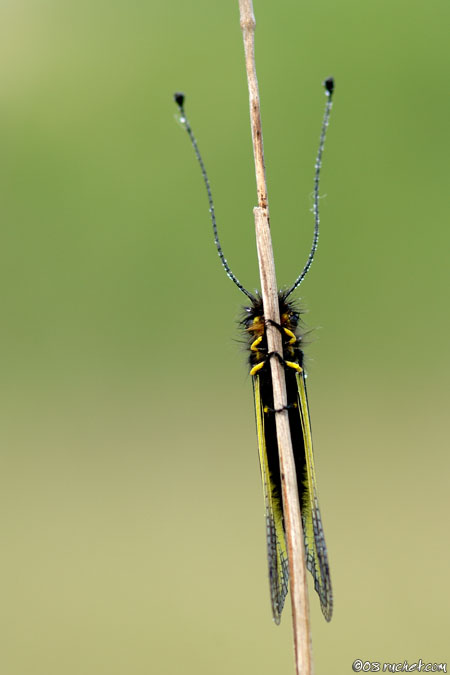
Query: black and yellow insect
{"points": [[254, 325]]}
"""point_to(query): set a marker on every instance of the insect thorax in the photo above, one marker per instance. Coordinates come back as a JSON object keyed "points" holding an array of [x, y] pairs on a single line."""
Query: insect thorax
{"points": [[255, 328]]}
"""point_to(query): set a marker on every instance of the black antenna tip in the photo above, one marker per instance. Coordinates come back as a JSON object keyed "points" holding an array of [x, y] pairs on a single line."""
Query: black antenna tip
{"points": [[329, 86], [178, 97]]}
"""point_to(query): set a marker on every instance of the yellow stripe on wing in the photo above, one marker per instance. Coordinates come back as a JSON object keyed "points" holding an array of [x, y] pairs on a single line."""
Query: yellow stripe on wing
{"points": [[276, 543], [315, 547]]}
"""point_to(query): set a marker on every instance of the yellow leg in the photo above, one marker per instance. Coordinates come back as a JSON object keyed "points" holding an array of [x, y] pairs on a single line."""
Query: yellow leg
{"points": [[290, 334], [295, 366], [257, 367], [254, 345]]}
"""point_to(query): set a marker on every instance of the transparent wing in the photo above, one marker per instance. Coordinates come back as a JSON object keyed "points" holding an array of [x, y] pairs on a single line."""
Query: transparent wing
{"points": [[315, 547], [276, 542]]}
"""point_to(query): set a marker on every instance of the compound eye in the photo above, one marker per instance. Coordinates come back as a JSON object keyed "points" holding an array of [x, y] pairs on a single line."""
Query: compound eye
{"points": [[294, 317]]}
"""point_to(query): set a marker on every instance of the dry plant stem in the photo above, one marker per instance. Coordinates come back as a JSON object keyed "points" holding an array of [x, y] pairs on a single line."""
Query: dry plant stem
{"points": [[269, 292], [291, 506], [248, 33]]}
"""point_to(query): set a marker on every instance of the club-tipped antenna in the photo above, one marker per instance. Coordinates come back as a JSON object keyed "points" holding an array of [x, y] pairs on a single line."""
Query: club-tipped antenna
{"points": [[179, 100], [329, 88]]}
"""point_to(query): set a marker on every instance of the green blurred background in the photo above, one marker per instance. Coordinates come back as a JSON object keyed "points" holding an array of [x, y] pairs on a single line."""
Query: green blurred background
{"points": [[132, 516]]}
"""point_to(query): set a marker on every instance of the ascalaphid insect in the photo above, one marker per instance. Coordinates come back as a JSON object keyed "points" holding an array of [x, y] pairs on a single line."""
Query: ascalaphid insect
{"points": [[254, 325]]}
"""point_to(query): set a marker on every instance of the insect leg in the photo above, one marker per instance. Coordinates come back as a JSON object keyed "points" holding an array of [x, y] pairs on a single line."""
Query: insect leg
{"points": [[283, 330]]}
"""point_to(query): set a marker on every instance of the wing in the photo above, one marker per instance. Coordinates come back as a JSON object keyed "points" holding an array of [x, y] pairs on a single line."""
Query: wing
{"points": [[315, 547], [276, 542]]}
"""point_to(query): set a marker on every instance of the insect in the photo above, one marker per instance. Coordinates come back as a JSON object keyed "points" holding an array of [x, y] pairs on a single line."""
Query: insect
{"points": [[254, 326]]}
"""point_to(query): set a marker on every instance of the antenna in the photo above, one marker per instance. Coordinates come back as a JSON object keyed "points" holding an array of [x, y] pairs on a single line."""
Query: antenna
{"points": [[329, 88], [179, 100]]}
